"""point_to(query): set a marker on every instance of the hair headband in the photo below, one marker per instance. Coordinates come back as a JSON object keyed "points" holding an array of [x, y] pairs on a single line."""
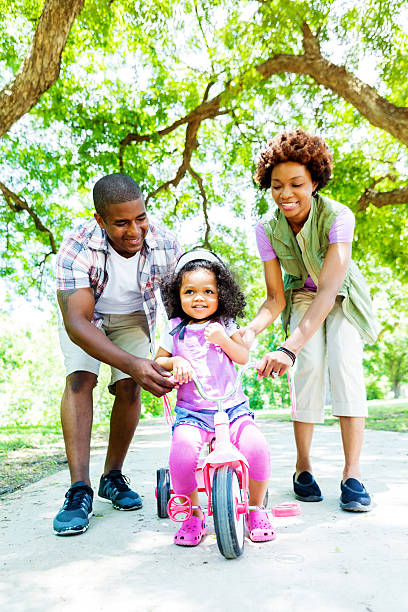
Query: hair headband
{"points": [[194, 255]]}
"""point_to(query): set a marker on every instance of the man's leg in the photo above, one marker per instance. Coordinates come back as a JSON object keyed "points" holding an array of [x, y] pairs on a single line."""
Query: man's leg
{"points": [[124, 419], [76, 420]]}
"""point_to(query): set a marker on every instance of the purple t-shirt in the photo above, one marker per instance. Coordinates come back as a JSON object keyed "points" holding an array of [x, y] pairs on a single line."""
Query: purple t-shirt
{"points": [[342, 230]]}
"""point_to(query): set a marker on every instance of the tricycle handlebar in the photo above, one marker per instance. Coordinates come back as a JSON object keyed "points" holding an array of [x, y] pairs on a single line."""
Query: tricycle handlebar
{"points": [[220, 399]]}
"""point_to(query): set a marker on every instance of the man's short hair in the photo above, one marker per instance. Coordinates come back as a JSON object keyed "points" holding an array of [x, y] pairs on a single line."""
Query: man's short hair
{"points": [[114, 189]]}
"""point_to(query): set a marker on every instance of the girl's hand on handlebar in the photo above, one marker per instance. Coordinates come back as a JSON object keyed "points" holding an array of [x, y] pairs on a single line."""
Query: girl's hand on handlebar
{"points": [[273, 364], [182, 370], [215, 333]]}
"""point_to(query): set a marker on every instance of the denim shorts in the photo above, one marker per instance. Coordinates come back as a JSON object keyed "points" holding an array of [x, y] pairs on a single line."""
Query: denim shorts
{"points": [[204, 419]]}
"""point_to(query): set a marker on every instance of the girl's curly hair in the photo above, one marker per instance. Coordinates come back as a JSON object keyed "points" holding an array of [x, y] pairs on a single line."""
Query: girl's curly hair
{"points": [[231, 300], [300, 147]]}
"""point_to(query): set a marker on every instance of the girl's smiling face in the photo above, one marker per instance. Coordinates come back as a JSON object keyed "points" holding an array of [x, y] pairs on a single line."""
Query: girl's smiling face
{"points": [[199, 293]]}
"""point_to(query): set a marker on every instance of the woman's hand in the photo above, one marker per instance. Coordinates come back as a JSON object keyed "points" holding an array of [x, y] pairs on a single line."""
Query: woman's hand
{"points": [[273, 364], [215, 333], [248, 336], [182, 370]]}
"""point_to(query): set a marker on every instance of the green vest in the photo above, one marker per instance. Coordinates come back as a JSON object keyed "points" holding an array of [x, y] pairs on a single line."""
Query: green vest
{"points": [[305, 253]]}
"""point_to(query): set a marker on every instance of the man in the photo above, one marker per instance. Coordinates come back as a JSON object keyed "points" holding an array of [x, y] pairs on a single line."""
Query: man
{"points": [[107, 271]]}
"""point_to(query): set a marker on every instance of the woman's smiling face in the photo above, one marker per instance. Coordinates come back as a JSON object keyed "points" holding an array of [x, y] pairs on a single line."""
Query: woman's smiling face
{"points": [[292, 188]]}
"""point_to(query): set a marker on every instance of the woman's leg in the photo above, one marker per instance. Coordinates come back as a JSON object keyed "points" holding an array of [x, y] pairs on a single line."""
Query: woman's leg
{"points": [[248, 438], [345, 359], [303, 438], [309, 379], [186, 445], [352, 433]]}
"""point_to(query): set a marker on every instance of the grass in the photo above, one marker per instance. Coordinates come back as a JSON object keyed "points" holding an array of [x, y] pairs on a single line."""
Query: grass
{"points": [[29, 453], [391, 415]]}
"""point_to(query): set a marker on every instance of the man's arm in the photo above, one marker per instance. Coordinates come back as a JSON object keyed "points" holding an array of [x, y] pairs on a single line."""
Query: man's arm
{"points": [[77, 307]]}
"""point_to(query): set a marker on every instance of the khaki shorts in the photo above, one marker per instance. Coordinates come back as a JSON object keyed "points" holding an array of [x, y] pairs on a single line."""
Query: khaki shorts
{"points": [[336, 347], [129, 331]]}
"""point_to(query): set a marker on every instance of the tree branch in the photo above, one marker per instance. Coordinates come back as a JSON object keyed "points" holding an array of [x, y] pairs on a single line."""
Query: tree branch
{"points": [[198, 178], [41, 66], [17, 204], [376, 109], [191, 143], [383, 198]]}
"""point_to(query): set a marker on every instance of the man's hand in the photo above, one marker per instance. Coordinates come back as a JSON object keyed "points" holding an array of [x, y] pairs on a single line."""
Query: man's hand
{"points": [[151, 377], [215, 333]]}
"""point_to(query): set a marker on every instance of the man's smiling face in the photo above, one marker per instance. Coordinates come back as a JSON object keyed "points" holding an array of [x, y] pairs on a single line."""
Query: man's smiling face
{"points": [[126, 225]]}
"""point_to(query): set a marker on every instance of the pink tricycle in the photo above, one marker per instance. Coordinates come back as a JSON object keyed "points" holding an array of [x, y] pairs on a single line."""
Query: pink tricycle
{"points": [[223, 476]]}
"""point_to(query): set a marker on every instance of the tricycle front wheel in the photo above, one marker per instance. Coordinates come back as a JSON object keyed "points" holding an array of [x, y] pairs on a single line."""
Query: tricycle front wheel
{"points": [[229, 525]]}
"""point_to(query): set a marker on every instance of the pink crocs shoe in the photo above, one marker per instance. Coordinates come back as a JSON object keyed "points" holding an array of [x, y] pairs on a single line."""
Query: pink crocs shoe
{"points": [[191, 532], [259, 526]]}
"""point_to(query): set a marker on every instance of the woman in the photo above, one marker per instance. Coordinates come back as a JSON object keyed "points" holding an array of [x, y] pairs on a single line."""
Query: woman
{"points": [[324, 302]]}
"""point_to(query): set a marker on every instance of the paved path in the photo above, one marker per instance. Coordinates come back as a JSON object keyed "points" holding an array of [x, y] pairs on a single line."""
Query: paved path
{"points": [[324, 560]]}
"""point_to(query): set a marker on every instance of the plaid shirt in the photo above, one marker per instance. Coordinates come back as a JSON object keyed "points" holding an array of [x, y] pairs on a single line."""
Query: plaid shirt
{"points": [[82, 257]]}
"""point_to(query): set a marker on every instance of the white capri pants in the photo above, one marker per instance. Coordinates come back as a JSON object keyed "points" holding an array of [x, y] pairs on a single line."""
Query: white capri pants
{"points": [[338, 344]]}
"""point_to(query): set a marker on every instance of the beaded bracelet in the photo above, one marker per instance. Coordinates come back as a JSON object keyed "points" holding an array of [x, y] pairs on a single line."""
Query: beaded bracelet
{"points": [[288, 353]]}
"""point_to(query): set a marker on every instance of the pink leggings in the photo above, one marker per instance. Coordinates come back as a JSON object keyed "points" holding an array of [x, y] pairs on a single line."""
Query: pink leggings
{"points": [[188, 440]]}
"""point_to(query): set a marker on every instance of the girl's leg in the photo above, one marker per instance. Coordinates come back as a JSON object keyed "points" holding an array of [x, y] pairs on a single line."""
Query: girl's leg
{"points": [[252, 444], [248, 438], [186, 445]]}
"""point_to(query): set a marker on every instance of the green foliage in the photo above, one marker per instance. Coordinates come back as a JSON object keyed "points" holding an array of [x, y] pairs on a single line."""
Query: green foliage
{"points": [[134, 67], [125, 70]]}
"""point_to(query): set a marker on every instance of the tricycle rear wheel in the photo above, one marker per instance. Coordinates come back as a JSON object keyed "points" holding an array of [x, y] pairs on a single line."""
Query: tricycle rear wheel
{"points": [[162, 491]]}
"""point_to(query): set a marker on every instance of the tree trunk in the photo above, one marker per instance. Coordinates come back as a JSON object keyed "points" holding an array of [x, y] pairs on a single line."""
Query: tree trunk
{"points": [[41, 66]]}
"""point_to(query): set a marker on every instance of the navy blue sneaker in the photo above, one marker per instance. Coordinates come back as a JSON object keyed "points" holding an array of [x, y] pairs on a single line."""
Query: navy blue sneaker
{"points": [[73, 518], [354, 497], [114, 487], [306, 488]]}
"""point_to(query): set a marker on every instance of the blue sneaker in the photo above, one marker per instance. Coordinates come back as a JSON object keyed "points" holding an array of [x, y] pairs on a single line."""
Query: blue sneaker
{"points": [[114, 487], [306, 488], [73, 518], [354, 497]]}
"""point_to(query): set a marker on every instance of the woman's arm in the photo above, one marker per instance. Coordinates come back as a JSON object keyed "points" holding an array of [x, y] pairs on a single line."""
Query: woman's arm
{"points": [[233, 346], [273, 305], [331, 278]]}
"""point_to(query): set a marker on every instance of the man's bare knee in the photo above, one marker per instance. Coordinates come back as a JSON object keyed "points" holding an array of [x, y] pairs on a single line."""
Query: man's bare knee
{"points": [[128, 390], [81, 382]]}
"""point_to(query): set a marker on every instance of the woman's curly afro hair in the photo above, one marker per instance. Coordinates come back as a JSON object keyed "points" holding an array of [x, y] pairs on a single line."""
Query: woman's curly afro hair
{"points": [[300, 147], [231, 300]]}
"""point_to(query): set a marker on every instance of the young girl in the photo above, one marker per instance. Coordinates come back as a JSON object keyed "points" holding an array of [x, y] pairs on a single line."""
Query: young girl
{"points": [[201, 338]]}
